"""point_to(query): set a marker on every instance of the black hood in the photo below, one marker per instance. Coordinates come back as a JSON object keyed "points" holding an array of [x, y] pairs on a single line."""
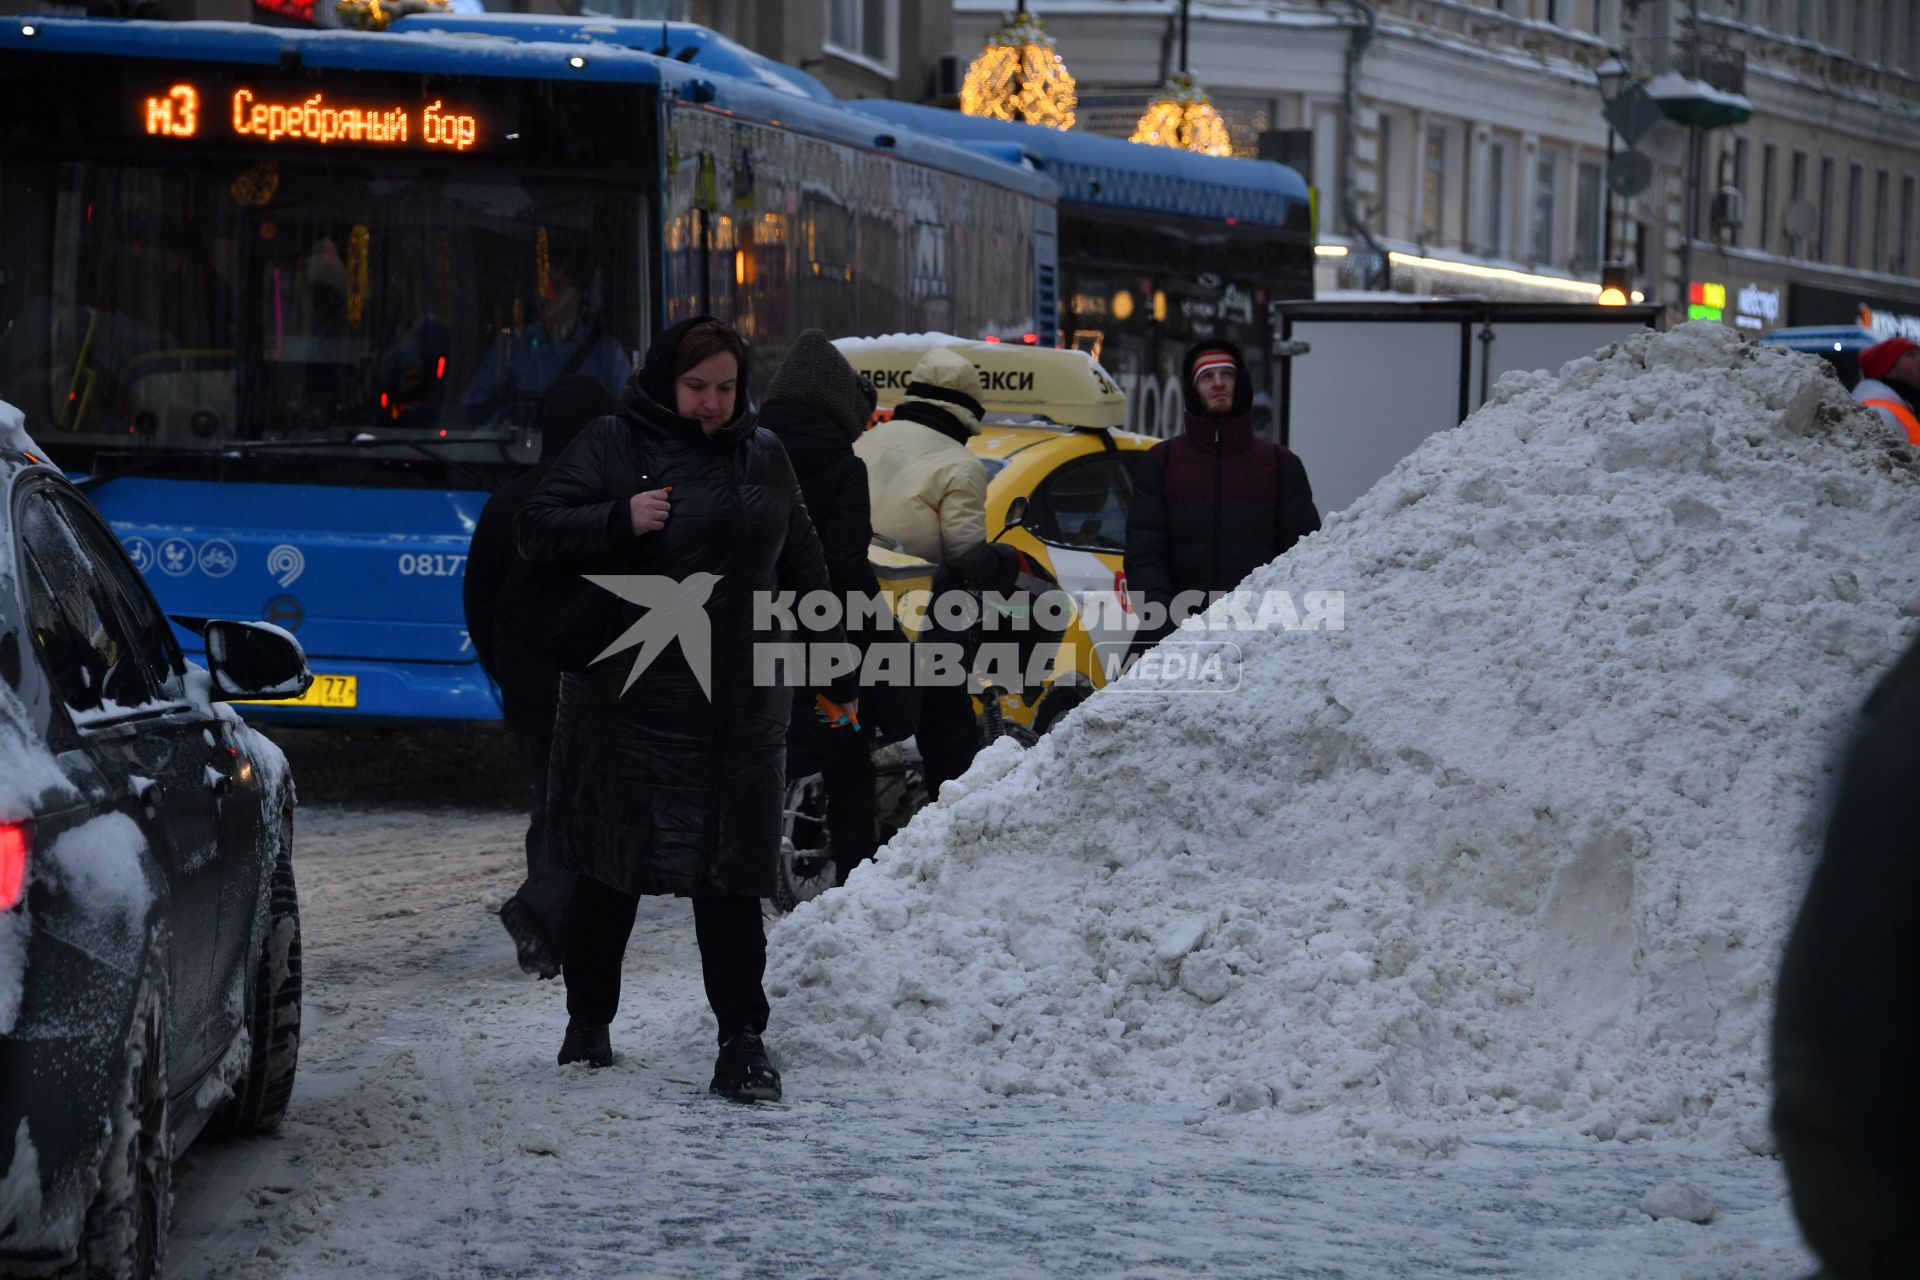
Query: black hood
{"points": [[571, 404], [1242, 380], [816, 376], [650, 393]]}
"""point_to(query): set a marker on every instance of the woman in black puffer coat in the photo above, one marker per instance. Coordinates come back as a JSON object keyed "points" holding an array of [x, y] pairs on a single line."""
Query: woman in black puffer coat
{"points": [[668, 777]]}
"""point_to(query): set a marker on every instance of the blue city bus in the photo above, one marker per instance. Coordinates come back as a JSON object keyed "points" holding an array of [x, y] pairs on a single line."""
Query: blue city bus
{"points": [[1158, 248], [286, 302]]}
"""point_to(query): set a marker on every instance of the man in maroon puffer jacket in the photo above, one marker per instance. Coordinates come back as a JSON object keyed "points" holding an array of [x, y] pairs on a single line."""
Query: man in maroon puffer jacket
{"points": [[1213, 504]]}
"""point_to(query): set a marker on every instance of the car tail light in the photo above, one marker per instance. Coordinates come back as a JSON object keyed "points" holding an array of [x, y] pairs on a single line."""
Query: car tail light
{"points": [[13, 864]]}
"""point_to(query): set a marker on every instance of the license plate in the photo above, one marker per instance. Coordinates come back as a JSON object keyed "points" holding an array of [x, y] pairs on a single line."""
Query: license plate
{"points": [[325, 691]]}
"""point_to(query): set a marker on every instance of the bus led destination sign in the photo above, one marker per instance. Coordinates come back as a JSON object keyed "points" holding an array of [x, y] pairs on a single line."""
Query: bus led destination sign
{"points": [[182, 112]]}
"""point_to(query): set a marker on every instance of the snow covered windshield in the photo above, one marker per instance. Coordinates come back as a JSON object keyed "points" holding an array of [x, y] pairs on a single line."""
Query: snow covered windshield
{"points": [[296, 304]]}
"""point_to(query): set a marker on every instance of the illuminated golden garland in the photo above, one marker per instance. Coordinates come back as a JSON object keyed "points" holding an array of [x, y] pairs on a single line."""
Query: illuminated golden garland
{"points": [[1183, 117], [1019, 77]]}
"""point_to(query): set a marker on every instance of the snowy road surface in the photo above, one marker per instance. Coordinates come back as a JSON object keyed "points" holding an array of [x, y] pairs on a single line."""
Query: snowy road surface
{"points": [[431, 1135]]}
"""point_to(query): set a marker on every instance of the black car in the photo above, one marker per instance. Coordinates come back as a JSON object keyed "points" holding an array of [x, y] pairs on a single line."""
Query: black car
{"points": [[149, 933]]}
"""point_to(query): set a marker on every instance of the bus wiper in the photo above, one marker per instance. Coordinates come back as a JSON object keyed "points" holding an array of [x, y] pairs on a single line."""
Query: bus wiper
{"points": [[425, 448]]}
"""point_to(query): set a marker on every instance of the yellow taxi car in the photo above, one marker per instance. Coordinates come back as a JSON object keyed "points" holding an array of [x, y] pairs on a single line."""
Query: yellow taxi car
{"points": [[1059, 482]]}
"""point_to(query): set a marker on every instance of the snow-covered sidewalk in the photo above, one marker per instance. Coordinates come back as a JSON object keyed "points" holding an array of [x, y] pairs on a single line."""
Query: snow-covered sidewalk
{"points": [[432, 1136]]}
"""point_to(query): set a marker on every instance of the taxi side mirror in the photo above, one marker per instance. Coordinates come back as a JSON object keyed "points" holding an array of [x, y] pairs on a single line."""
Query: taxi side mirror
{"points": [[1017, 512]]}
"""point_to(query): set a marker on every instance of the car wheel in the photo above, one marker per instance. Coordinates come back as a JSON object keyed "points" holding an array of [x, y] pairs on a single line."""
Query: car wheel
{"points": [[124, 1236], [260, 1095], [805, 870]]}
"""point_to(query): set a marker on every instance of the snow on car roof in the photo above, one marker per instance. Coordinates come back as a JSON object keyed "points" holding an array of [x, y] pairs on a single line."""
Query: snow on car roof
{"points": [[1063, 386]]}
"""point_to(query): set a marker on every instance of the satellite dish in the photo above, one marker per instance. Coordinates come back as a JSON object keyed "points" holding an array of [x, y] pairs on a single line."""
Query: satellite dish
{"points": [[1801, 219]]}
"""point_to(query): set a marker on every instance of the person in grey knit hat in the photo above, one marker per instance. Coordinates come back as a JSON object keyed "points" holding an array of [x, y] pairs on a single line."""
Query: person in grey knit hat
{"points": [[818, 406]]}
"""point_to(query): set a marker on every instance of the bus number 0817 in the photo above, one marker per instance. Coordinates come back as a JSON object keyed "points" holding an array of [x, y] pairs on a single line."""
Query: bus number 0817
{"points": [[428, 564]]}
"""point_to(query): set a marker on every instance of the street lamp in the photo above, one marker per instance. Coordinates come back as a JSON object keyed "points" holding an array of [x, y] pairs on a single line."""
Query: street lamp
{"points": [[1613, 76]]}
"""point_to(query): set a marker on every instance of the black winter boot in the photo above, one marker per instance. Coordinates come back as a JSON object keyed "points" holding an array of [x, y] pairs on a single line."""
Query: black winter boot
{"points": [[742, 1071], [586, 1044]]}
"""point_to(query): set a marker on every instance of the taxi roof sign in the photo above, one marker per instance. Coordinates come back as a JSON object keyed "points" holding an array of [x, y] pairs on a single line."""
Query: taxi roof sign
{"points": [[1067, 387]]}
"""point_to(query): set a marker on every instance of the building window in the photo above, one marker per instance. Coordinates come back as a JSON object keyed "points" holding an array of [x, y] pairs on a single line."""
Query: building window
{"points": [[1246, 119], [1823, 228], [1882, 193], [1856, 181], [1902, 265], [863, 27], [1494, 238], [1546, 176], [1588, 211], [1382, 173], [1769, 177], [1803, 21], [1433, 186]]}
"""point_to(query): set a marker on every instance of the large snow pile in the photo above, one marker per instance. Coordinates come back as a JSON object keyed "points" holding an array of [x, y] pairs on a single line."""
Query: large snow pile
{"points": [[1520, 844]]}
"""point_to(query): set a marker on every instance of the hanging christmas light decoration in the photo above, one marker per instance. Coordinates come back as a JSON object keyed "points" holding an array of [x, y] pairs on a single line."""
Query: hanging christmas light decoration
{"points": [[1019, 77], [1183, 117]]}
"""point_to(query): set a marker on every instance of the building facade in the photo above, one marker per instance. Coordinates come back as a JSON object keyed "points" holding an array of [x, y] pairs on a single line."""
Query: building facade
{"points": [[858, 48], [1826, 168], [1463, 142]]}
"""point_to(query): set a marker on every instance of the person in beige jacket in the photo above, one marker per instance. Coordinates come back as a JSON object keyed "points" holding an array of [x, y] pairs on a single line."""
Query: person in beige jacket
{"points": [[929, 491], [929, 494]]}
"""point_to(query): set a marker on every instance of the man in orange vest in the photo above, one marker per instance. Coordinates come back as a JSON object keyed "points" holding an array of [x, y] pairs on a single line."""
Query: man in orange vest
{"points": [[1890, 384]]}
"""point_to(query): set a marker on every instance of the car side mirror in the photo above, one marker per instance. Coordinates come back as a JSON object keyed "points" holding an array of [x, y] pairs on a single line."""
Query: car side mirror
{"points": [[254, 660], [1017, 512]]}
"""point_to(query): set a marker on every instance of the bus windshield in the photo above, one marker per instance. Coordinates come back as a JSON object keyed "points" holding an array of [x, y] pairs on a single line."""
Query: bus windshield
{"points": [[306, 305]]}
